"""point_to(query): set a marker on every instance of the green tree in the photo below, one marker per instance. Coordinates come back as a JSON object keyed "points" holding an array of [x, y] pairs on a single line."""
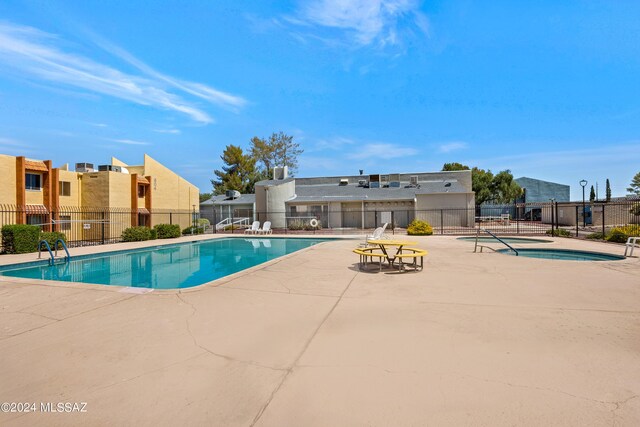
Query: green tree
{"points": [[608, 191], [481, 184], [455, 166], [205, 196], [503, 188], [499, 188], [634, 187], [238, 173], [278, 150], [592, 194]]}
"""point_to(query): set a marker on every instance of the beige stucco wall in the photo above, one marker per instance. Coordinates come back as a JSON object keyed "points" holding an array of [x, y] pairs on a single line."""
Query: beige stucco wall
{"points": [[75, 180], [270, 202], [168, 189], [8, 174], [34, 197]]}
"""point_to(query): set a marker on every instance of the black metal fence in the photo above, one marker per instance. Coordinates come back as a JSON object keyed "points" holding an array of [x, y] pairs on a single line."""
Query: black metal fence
{"points": [[92, 226]]}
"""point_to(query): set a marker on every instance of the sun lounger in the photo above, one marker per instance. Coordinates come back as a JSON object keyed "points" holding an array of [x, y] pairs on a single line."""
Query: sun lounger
{"points": [[254, 228]]}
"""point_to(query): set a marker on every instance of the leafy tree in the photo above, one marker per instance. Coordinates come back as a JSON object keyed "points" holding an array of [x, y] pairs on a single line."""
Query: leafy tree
{"points": [[634, 187], [455, 166], [503, 188], [592, 194], [499, 188], [481, 184], [608, 191], [278, 150], [205, 196], [239, 172]]}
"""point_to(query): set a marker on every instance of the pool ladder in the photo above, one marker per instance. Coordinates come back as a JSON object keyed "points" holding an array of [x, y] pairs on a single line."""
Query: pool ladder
{"points": [[475, 249], [52, 260]]}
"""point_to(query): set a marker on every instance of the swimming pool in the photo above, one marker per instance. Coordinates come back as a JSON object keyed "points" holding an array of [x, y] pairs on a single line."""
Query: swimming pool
{"points": [[487, 239], [562, 254], [175, 266]]}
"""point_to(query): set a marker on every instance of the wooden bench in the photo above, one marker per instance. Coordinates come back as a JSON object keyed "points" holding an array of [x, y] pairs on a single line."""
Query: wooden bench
{"points": [[370, 253], [412, 254]]}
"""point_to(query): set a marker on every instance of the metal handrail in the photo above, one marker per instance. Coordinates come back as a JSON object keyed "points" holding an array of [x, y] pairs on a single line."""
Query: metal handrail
{"points": [[495, 237], [64, 246], [48, 248], [53, 257]]}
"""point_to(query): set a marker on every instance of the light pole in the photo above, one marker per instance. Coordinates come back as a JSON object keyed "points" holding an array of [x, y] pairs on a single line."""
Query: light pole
{"points": [[583, 183]]}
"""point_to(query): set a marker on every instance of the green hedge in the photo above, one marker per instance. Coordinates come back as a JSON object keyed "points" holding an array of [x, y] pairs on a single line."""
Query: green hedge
{"points": [[136, 234], [20, 238], [560, 232], [167, 231], [193, 230], [419, 228], [52, 237]]}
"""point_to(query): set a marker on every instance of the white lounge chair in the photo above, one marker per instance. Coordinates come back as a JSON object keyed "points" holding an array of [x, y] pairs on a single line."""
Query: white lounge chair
{"points": [[266, 228], [255, 227], [378, 233], [632, 242]]}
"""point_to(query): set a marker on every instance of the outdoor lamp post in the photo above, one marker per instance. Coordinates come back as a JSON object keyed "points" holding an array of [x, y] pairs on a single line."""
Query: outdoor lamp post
{"points": [[583, 183]]}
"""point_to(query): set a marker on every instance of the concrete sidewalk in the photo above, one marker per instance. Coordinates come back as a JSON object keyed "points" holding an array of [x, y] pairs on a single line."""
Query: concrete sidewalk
{"points": [[474, 339]]}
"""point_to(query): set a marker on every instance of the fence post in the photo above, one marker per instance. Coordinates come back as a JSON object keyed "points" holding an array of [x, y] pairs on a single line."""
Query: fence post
{"points": [[441, 221], [170, 217], [375, 225], [557, 218], [518, 221], [103, 220], [603, 228], [577, 221], [393, 222]]}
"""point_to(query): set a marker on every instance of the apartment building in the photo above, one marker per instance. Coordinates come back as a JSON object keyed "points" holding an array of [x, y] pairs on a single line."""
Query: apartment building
{"points": [[143, 194]]}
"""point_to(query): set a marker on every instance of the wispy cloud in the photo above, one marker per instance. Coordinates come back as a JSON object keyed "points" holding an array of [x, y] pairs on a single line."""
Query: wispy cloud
{"points": [[333, 144], [37, 54], [130, 142], [171, 131], [448, 147], [362, 22], [99, 125], [381, 151], [13, 146]]}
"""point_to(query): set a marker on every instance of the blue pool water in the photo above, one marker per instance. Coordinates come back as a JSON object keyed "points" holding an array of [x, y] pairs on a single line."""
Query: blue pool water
{"points": [[165, 267], [563, 254]]}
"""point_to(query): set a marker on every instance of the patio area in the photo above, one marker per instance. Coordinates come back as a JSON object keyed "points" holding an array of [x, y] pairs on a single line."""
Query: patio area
{"points": [[309, 340]]}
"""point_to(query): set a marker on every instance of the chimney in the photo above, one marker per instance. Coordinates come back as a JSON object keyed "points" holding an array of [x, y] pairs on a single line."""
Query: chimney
{"points": [[280, 173]]}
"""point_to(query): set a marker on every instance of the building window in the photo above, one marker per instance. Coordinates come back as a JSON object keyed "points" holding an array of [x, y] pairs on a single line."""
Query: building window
{"points": [[65, 222], [141, 191], [33, 181], [65, 188]]}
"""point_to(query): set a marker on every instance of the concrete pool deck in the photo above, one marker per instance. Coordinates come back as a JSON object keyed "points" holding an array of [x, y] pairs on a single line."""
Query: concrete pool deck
{"points": [[474, 339]]}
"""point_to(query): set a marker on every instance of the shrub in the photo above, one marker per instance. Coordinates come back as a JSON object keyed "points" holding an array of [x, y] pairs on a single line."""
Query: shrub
{"points": [[154, 234], [621, 234], [51, 238], [596, 236], [419, 228], [20, 238], [296, 224], [194, 229], [167, 231], [635, 210], [136, 234], [203, 222], [560, 232]]}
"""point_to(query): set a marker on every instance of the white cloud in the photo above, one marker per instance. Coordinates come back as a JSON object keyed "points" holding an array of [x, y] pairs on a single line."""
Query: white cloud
{"points": [[171, 131], [381, 151], [364, 22], [35, 54], [452, 146], [130, 142]]}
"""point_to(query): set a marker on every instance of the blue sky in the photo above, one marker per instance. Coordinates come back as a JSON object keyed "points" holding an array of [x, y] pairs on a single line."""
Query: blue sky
{"points": [[548, 89]]}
